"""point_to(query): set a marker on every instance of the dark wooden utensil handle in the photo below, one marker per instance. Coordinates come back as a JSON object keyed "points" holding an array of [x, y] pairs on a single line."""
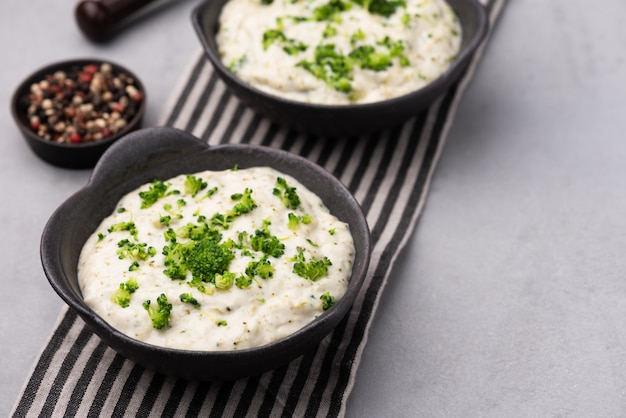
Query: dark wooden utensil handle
{"points": [[98, 18]]}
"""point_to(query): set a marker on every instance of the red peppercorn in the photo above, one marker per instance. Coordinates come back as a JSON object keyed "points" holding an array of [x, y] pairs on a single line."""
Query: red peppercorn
{"points": [[137, 96], [85, 77], [117, 107], [91, 69], [75, 138]]}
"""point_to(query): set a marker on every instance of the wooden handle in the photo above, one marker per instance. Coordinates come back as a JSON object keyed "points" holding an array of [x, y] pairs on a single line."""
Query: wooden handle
{"points": [[98, 18]]}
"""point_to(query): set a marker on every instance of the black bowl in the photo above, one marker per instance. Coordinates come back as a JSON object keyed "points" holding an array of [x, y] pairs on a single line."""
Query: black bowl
{"points": [[342, 120], [79, 155], [162, 153]]}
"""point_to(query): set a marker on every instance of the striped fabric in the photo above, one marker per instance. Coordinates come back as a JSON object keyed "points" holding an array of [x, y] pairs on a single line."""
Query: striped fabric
{"points": [[389, 173]]}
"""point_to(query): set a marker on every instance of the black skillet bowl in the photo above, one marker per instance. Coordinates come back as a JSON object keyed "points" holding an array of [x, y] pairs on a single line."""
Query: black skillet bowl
{"points": [[342, 120], [162, 153], [80, 155]]}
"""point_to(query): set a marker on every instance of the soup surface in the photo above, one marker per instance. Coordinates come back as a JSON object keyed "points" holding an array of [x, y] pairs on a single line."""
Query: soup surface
{"points": [[216, 260], [338, 51]]}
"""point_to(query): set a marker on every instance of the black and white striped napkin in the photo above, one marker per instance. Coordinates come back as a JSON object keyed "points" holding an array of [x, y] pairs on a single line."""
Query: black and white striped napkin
{"points": [[389, 174]]}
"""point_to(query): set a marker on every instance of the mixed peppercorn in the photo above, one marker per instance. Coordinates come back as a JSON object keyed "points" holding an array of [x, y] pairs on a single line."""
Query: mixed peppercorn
{"points": [[85, 104]]}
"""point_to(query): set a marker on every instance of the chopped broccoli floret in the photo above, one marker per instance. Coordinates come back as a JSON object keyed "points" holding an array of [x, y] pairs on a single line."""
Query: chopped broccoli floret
{"points": [[176, 213], [203, 254], [236, 64], [327, 301], [245, 203], [329, 31], [313, 270], [406, 19], [134, 251], [175, 259], [287, 194], [396, 50], [221, 323], [165, 220], [359, 35], [367, 57], [207, 258], [243, 281], [381, 7], [170, 235], [262, 268], [294, 221], [330, 11], [193, 185], [385, 7], [160, 314], [122, 294], [124, 226], [221, 220], [197, 231], [233, 245], [224, 281], [330, 66], [290, 46], [157, 190], [200, 286], [187, 298], [264, 241]]}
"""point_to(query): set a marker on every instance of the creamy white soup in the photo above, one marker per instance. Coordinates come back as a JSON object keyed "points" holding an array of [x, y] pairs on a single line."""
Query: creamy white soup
{"points": [[338, 51], [216, 260]]}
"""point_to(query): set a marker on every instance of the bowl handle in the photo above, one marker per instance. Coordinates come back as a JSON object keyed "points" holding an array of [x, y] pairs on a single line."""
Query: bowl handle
{"points": [[144, 149]]}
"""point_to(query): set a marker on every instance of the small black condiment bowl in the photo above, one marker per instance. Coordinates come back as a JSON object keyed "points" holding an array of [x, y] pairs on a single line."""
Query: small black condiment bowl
{"points": [[343, 120], [162, 153], [79, 155]]}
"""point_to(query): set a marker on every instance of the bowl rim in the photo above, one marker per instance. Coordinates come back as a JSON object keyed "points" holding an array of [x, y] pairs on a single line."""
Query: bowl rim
{"points": [[37, 74], [50, 251], [449, 74]]}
